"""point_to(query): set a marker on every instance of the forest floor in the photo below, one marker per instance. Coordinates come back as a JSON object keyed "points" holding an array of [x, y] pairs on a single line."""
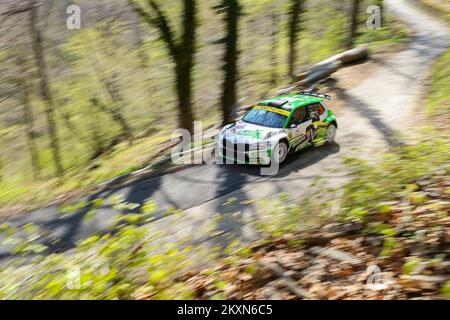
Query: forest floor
{"points": [[395, 254]]}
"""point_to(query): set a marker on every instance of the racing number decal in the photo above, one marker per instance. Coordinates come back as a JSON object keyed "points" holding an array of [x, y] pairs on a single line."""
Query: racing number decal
{"points": [[310, 133]]}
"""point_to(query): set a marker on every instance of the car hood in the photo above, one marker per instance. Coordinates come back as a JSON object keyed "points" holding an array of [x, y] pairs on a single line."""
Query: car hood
{"points": [[243, 132]]}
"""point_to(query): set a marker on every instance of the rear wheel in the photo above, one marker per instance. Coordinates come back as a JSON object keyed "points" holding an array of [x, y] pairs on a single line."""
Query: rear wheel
{"points": [[331, 133]]}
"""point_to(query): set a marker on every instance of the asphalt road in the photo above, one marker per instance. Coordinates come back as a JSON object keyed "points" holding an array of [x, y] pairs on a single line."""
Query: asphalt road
{"points": [[374, 111]]}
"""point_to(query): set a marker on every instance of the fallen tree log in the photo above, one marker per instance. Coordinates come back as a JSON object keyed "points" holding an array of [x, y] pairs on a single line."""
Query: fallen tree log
{"points": [[287, 90], [354, 55], [319, 72], [289, 282], [328, 66]]}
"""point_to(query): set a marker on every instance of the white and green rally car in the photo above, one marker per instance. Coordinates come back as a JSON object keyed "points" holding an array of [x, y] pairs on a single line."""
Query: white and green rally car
{"points": [[274, 128]]}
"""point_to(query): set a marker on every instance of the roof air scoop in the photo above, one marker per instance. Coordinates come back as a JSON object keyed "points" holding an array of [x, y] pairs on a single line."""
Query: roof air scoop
{"points": [[277, 103]]}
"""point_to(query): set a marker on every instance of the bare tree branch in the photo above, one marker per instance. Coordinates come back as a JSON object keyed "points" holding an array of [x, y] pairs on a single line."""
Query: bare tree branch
{"points": [[160, 22], [10, 95], [16, 11]]}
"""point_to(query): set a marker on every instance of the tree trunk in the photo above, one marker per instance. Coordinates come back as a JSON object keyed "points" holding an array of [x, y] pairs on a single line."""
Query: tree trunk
{"points": [[116, 112], [29, 126], [182, 52], [184, 66], [184, 96], [138, 40], [380, 3], [28, 114], [1, 169], [295, 9], [231, 55], [116, 116], [44, 87], [113, 92], [96, 141], [353, 23], [274, 47]]}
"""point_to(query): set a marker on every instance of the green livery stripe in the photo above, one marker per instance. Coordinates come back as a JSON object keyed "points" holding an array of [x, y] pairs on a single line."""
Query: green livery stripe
{"points": [[257, 134]]}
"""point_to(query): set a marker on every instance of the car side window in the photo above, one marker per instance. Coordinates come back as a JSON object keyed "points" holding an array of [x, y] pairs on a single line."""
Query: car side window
{"points": [[314, 111], [299, 116], [321, 109]]}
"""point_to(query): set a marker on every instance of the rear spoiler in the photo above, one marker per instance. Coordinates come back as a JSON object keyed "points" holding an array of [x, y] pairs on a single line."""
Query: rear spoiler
{"points": [[315, 94]]}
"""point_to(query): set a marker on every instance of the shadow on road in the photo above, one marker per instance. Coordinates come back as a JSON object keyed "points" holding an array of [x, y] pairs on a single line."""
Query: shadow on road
{"points": [[61, 233], [366, 111], [142, 191], [305, 158], [237, 213], [76, 228], [233, 211], [72, 226]]}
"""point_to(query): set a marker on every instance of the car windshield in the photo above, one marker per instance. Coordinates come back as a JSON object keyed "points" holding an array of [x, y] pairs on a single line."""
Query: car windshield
{"points": [[265, 118]]}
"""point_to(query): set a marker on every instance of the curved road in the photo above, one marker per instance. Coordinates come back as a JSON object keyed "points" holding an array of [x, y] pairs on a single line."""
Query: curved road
{"points": [[373, 112]]}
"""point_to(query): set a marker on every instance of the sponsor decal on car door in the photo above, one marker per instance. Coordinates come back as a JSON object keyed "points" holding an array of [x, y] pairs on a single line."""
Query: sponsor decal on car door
{"points": [[299, 127], [307, 133]]}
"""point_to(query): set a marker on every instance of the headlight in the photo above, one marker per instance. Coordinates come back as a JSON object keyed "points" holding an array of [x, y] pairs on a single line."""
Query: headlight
{"points": [[224, 129], [257, 146]]}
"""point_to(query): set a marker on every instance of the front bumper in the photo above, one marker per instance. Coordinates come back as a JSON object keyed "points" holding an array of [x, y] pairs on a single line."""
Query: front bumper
{"points": [[244, 153]]}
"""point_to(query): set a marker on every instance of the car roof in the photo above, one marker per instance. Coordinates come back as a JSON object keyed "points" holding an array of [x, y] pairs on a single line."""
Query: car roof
{"points": [[291, 102]]}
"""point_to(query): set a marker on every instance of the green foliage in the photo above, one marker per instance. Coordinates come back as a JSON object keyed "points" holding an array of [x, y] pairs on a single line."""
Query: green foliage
{"points": [[373, 185], [142, 72], [131, 263], [411, 265], [391, 33], [446, 290], [125, 264], [438, 101], [439, 8], [278, 217]]}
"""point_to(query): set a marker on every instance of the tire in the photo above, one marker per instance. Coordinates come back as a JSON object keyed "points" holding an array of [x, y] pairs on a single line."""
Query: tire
{"points": [[282, 150], [331, 133]]}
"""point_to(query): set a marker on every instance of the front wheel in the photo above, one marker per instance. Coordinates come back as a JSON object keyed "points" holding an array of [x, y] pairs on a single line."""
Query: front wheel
{"points": [[331, 133], [280, 152]]}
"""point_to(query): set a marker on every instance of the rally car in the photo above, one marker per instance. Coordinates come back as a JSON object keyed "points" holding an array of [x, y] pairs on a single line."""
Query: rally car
{"points": [[276, 127]]}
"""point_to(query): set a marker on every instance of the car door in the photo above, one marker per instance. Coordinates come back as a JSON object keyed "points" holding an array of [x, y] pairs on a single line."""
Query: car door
{"points": [[298, 126], [316, 113]]}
